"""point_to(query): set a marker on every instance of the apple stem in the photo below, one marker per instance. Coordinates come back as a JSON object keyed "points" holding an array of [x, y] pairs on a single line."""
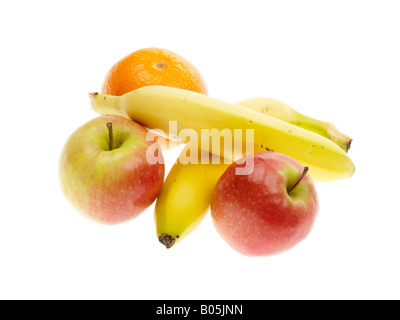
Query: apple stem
{"points": [[110, 134], [302, 176]]}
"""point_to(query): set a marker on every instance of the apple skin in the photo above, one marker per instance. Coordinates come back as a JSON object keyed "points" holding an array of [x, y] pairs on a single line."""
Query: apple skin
{"points": [[110, 186], [255, 214]]}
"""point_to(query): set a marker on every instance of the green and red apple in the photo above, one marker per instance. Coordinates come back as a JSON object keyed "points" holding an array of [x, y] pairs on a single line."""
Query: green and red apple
{"points": [[267, 211], [105, 173]]}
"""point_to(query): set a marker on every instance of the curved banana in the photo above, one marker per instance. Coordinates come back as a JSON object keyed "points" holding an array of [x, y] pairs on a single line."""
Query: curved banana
{"points": [[185, 198], [280, 110], [155, 106]]}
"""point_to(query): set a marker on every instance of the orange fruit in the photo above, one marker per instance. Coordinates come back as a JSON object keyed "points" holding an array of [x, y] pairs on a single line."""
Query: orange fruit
{"points": [[152, 66]]}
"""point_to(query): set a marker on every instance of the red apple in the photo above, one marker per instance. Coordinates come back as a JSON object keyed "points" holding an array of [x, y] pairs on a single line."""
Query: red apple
{"points": [[267, 211], [104, 170]]}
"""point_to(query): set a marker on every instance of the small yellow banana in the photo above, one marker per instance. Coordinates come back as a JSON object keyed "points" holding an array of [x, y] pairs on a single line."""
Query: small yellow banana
{"points": [[185, 198], [155, 106]]}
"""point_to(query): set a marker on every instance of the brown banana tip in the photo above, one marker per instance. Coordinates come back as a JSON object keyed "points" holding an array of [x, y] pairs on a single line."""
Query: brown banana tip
{"points": [[167, 240], [349, 144]]}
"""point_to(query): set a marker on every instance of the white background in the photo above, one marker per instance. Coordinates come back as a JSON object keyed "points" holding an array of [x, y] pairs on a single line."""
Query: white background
{"points": [[333, 60]]}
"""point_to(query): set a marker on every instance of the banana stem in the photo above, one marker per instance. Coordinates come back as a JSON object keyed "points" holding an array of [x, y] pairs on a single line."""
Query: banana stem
{"points": [[341, 139], [325, 129], [106, 104]]}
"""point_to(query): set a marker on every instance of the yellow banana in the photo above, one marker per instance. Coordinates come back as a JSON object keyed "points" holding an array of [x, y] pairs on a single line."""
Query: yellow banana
{"points": [[280, 110], [185, 198], [155, 106]]}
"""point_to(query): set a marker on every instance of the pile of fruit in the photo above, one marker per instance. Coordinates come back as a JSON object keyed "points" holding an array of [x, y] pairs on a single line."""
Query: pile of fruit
{"points": [[256, 178]]}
